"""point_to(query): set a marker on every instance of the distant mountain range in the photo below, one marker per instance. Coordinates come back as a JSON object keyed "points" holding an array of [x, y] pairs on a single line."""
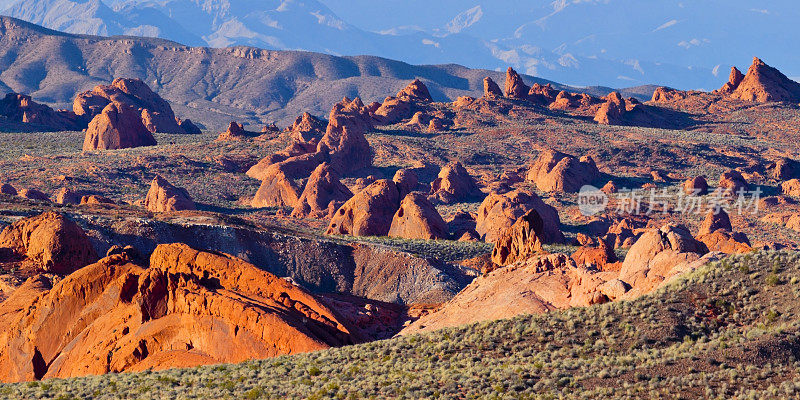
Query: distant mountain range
{"points": [[216, 86], [615, 43]]}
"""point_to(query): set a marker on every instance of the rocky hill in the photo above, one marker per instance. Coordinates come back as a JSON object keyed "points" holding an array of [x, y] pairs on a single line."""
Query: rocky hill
{"points": [[728, 330], [215, 86]]}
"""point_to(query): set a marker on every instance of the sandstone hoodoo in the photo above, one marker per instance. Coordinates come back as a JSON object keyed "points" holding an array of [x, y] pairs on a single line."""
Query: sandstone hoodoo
{"points": [[554, 171], [417, 218], [323, 194], [498, 212], [188, 308], [732, 183], [344, 139], [454, 184], [515, 87], [521, 240], [118, 126], [154, 112], [164, 197], [734, 79], [306, 132], [764, 83], [407, 181], [48, 242], [491, 89], [235, 131], [369, 213]]}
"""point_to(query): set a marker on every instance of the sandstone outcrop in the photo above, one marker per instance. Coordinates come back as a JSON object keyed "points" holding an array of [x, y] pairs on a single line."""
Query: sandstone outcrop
{"points": [[48, 242], [791, 187], [367, 213], [323, 194], [521, 240], [734, 79], [33, 194], [344, 139], [786, 168], [655, 256], [417, 218], [235, 131], [716, 232], [491, 89], [416, 91], [732, 183], [498, 212], [9, 189], [118, 126], [764, 83], [454, 184], [154, 112], [21, 108], [189, 127], [515, 88], [164, 197], [554, 171], [697, 186], [189, 308], [611, 112], [407, 181]]}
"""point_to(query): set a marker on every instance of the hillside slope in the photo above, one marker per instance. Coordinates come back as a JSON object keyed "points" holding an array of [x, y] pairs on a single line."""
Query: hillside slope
{"points": [[728, 330], [214, 86]]}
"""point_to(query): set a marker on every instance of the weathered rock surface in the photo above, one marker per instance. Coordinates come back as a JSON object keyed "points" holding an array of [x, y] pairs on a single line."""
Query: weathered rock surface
{"points": [[21, 108], [415, 91], [696, 186], [611, 112], [454, 184], [764, 83], [491, 89], [498, 212], [164, 197], [118, 126], [367, 213], [189, 308], [417, 218], [520, 241], [554, 171], [48, 242], [323, 194], [515, 87]]}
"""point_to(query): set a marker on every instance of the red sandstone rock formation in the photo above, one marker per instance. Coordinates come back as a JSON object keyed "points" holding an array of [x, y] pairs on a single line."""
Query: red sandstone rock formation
{"points": [[21, 108], [764, 83], [491, 89], [515, 87], [118, 126], [368, 213], [610, 113], [323, 194], [554, 171], [454, 184], [417, 218], [520, 241], [498, 212], [189, 308], [163, 197]]}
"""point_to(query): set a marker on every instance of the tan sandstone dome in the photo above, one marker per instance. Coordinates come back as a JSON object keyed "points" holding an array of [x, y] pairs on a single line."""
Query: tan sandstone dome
{"points": [[189, 308], [118, 126], [369, 213], [49, 242], [163, 197], [417, 218], [554, 171]]}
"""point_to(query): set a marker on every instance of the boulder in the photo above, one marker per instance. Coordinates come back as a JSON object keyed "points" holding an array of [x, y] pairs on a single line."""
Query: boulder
{"points": [[611, 112], [498, 212], [731, 183], [717, 234], [118, 126], [416, 91], [554, 171], [369, 212], [515, 87], [407, 181], [163, 197], [786, 168], [696, 186], [417, 218], [655, 256], [49, 242], [454, 184], [521, 240], [189, 308], [491, 89], [323, 194]]}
